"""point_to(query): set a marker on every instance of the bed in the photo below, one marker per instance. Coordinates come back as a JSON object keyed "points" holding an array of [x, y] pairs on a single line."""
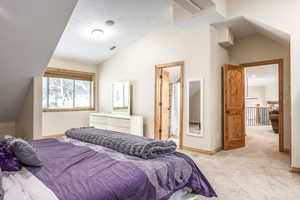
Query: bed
{"points": [[77, 170]]}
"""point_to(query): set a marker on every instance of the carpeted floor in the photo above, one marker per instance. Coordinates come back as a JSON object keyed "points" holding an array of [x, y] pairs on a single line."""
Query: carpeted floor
{"points": [[256, 172]]}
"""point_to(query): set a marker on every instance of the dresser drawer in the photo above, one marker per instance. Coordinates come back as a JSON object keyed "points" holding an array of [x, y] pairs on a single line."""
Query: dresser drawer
{"points": [[122, 123], [125, 124], [99, 119]]}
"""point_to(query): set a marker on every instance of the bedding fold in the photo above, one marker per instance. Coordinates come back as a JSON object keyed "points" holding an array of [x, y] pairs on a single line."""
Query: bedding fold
{"points": [[76, 170], [142, 147]]}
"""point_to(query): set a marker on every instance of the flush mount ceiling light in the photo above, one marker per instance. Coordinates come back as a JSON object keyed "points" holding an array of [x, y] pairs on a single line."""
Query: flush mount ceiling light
{"points": [[110, 22], [97, 33], [113, 48]]}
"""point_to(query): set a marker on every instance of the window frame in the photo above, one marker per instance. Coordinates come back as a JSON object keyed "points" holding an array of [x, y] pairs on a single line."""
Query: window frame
{"points": [[52, 72]]}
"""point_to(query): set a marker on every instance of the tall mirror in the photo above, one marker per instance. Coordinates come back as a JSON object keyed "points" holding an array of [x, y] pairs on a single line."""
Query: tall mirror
{"points": [[121, 97], [195, 108]]}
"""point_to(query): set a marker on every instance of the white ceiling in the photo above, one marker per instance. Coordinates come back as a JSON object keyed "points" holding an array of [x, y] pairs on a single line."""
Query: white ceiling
{"points": [[133, 19], [243, 27], [194, 6], [262, 75]]}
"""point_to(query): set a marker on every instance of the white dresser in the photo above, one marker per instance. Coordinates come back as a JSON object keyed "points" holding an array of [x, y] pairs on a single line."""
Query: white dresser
{"points": [[132, 124]]}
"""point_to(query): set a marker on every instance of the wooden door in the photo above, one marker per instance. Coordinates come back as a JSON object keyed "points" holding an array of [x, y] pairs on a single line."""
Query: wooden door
{"points": [[158, 98], [234, 107], [165, 105], [157, 115]]}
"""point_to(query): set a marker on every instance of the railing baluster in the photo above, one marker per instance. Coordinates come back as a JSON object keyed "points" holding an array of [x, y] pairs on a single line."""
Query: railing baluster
{"points": [[257, 116]]}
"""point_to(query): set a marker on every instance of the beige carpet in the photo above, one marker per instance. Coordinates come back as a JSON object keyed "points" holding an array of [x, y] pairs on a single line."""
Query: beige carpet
{"points": [[256, 172]]}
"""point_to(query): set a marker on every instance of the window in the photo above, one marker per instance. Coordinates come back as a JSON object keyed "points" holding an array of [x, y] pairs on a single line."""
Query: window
{"points": [[66, 90]]}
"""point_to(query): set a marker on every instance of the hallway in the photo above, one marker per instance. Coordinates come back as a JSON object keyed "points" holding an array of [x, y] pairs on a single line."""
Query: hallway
{"points": [[256, 172]]}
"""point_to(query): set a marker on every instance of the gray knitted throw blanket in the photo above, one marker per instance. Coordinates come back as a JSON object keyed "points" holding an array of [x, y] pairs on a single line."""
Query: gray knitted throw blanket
{"points": [[138, 146]]}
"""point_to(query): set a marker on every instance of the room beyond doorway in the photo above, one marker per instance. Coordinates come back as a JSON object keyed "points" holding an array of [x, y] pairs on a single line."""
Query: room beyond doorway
{"points": [[234, 96], [261, 97], [169, 102], [264, 99]]}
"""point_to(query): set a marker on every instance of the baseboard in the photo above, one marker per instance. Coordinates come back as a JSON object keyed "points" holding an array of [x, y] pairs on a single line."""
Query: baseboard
{"points": [[207, 152], [54, 136], [295, 170], [218, 149], [287, 151]]}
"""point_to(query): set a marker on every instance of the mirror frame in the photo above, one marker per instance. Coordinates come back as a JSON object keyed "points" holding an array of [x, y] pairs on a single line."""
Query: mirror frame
{"points": [[114, 111], [201, 107]]}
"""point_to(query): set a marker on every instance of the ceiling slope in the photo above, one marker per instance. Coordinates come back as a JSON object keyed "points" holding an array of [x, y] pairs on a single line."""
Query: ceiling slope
{"points": [[242, 27], [133, 20], [191, 13], [30, 31]]}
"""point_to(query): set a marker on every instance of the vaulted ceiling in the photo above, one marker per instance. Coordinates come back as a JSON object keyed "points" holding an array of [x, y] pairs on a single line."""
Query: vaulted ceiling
{"points": [[243, 27], [133, 19], [30, 31]]}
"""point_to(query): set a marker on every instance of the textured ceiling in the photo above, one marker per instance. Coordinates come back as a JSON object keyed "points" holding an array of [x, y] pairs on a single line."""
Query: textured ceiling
{"points": [[133, 19]]}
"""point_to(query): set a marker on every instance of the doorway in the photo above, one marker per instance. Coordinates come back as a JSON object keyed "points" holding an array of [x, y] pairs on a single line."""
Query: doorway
{"points": [[253, 102], [169, 102]]}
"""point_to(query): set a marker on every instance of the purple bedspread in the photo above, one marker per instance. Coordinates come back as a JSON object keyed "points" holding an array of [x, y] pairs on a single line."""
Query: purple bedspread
{"points": [[75, 170]]}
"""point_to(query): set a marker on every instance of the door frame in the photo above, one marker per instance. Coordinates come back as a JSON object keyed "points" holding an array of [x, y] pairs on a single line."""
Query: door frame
{"points": [[157, 113], [280, 63]]}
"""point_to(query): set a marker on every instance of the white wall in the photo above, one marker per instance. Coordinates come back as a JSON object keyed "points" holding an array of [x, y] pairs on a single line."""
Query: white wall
{"points": [[259, 92], [24, 121], [137, 64], [7, 128], [282, 15], [59, 122], [37, 107], [259, 48], [29, 121], [263, 93], [218, 57], [272, 92], [295, 99], [72, 65]]}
